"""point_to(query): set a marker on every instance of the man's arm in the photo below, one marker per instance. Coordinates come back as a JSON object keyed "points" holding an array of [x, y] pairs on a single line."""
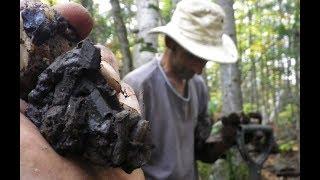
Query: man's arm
{"points": [[209, 148], [205, 151]]}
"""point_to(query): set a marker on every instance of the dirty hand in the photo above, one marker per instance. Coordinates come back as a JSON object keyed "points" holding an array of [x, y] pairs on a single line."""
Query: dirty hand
{"points": [[37, 159], [230, 126]]}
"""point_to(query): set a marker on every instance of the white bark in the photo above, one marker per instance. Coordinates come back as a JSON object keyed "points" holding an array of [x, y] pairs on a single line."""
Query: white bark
{"points": [[230, 74], [279, 104], [174, 3], [147, 18]]}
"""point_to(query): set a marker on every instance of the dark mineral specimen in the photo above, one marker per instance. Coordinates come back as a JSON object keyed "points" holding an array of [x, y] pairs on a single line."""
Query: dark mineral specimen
{"points": [[44, 35], [79, 114]]}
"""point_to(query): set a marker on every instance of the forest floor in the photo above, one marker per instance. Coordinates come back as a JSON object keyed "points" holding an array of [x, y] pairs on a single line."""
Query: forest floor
{"points": [[281, 162]]}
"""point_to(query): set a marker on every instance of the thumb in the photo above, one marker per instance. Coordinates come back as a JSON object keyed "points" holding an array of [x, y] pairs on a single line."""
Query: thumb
{"points": [[78, 17]]}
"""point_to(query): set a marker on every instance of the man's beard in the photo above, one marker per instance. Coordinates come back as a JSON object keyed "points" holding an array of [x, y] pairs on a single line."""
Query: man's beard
{"points": [[181, 71], [185, 74]]}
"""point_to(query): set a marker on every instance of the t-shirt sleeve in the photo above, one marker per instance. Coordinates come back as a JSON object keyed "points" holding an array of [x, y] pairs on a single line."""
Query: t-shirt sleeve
{"points": [[203, 126]]}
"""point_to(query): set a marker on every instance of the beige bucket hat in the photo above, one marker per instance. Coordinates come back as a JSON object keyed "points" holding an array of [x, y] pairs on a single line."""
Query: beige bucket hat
{"points": [[197, 25]]}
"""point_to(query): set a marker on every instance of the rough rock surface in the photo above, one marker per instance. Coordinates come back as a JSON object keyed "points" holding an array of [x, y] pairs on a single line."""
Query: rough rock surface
{"points": [[79, 114], [44, 35]]}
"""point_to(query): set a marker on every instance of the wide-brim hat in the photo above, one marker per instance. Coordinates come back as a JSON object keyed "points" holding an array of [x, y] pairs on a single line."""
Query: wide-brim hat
{"points": [[197, 25]]}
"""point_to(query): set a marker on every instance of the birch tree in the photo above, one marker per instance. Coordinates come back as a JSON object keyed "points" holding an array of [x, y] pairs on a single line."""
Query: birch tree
{"points": [[230, 74], [174, 3], [147, 18], [230, 82]]}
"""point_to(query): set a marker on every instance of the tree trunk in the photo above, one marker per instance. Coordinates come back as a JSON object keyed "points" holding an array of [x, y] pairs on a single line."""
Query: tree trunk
{"points": [[275, 89], [278, 71], [296, 51], [297, 65], [147, 18], [127, 65], [268, 93], [280, 104], [290, 96], [254, 91], [263, 91], [296, 46], [254, 86], [230, 74]]}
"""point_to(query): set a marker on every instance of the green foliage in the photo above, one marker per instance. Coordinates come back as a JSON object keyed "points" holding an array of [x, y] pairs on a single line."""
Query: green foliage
{"points": [[216, 128], [161, 44], [204, 169], [152, 6], [166, 10], [287, 146], [249, 107], [265, 32], [231, 168], [213, 75], [147, 47], [263, 29], [127, 14], [103, 28], [238, 170], [213, 106], [242, 171], [139, 40], [285, 116], [49, 2]]}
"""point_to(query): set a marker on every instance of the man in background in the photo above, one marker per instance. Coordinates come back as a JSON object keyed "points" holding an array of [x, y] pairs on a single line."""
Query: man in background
{"points": [[174, 97]]}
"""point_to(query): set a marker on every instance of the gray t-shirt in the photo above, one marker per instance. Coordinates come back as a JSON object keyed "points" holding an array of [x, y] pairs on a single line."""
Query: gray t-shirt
{"points": [[173, 120]]}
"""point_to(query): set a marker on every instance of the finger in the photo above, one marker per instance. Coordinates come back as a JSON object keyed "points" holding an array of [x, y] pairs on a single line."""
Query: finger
{"points": [[23, 106], [128, 97], [109, 68], [111, 76], [108, 56], [77, 16]]}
